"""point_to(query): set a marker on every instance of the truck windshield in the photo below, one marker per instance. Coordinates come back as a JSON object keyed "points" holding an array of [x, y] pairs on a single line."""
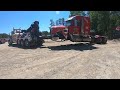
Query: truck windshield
{"points": [[68, 23]]}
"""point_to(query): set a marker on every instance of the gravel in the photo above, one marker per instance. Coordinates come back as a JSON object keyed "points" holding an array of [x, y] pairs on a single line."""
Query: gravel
{"points": [[61, 60]]}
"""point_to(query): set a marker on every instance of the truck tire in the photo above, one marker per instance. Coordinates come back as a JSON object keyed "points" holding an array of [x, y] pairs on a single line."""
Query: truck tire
{"points": [[0, 42], [9, 42], [22, 43], [99, 40], [27, 44], [104, 40], [18, 42], [92, 40], [40, 43]]}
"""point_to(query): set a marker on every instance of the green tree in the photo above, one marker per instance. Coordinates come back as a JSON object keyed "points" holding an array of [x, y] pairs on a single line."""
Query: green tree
{"points": [[52, 23], [103, 22], [94, 20], [88, 13], [45, 33], [114, 22], [4, 35], [63, 20], [57, 22], [60, 21]]}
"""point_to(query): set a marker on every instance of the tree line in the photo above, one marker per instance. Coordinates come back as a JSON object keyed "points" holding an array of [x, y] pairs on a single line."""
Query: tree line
{"points": [[4, 35], [60, 21], [44, 33]]}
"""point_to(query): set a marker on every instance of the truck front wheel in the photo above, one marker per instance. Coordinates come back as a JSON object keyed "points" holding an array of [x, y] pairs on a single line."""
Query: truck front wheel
{"points": [[22, 43], [27, 43], [104, 40], [9, 42], [0, 42]]}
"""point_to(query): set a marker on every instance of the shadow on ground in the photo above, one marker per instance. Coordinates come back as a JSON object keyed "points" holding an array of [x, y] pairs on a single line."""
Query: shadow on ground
{"points": [[79, 46], [33, 47]]}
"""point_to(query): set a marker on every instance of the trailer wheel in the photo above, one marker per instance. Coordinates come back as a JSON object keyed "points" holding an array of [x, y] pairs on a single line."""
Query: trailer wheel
{"points": [[99, 40], [27, 43], [22, 43]]}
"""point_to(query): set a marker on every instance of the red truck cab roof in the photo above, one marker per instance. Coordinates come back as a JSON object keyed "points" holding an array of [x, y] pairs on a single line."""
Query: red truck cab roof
{"points": [[76, 16]]}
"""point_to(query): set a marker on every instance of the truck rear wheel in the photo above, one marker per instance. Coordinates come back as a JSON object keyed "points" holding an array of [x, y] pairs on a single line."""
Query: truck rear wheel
{"points": [[22, 43], [27, 43], [104, 40], [99, 40], [9, 42]]}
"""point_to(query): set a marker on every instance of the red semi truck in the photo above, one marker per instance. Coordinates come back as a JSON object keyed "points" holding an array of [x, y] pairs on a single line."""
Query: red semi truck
{"points": [[77, 29]]}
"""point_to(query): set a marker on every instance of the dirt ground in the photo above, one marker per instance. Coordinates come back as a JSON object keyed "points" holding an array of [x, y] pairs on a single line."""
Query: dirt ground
{"points": [[61, 60]]}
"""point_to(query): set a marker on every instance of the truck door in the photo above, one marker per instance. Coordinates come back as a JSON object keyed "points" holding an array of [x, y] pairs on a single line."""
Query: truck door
{"points": [[82, 26], [77, 26], [86, 26]]}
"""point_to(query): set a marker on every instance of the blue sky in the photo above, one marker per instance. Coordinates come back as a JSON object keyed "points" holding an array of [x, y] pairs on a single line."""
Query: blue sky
{"points": [[23, 19]]}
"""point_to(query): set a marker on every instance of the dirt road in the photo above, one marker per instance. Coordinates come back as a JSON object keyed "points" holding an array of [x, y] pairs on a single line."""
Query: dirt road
{"points": [[61, 60]]}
